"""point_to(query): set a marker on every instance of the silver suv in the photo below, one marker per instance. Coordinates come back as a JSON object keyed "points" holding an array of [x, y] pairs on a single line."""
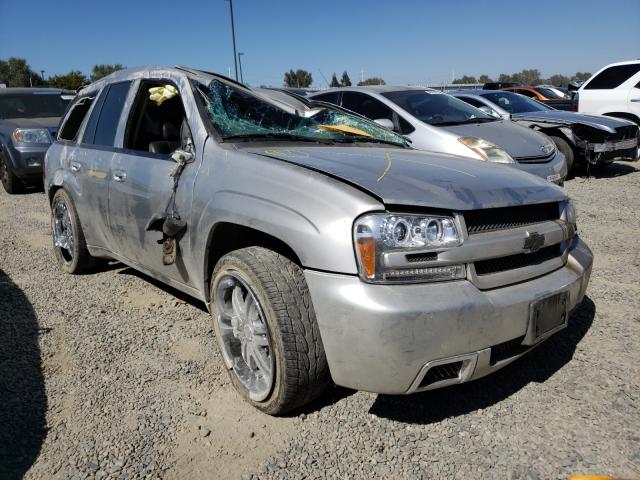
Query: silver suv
{"points": [[322, 245]]}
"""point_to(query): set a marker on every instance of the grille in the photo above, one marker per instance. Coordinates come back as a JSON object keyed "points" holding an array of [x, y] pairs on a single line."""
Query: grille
{"points": [[421, 257], [441, 372], [535, 159], [508, 349], [492, 219], [501, 264]]}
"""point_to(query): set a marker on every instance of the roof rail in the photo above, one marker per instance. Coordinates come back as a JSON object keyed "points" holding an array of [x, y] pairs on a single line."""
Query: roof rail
{"points": [[195, 71]]}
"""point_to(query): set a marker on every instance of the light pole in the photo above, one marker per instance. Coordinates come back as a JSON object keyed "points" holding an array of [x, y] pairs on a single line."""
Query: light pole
{"points": [[42, 74], [240, 64], [233, 37]]}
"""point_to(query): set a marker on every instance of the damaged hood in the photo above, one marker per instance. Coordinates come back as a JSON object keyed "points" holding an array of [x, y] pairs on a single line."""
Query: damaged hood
{"points": [[560, 117], [425, 179], [517, 140]]}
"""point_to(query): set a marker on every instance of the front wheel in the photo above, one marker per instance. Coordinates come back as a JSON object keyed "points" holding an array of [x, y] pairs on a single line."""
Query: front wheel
{"points": [[10, 181], [266, 330], [566, 150]]}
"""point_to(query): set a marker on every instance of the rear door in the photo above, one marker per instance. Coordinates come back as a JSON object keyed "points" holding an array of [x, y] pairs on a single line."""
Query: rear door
{"points": [[140, 185], [610, 90], [634, 97]]}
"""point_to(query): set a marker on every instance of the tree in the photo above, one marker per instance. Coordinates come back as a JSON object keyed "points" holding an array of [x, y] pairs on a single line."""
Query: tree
{"points": [[102, 70], [298, 79], [505, 78], [345, 81], [71, 81], [334, 81], [16, 72], [558, 80], [582, 76], [484, 79], [465, 79], [372, 81]]}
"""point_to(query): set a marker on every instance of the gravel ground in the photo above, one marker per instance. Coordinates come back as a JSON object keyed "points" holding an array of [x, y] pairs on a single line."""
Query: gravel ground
{"points": [[112, 375]]}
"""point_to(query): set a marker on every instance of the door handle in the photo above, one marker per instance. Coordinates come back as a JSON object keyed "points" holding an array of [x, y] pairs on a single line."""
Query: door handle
{"points": [[75, 167], [119, 176], [635, 99]]}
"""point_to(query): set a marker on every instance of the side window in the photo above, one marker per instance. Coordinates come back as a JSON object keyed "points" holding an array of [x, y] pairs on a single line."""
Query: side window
{"points": [[405, 127], [110, 114], [90, 129], [152, 127], [330, 97], [472, 101], [526, 93], [612, 77], [366, 105], [75, 115]]}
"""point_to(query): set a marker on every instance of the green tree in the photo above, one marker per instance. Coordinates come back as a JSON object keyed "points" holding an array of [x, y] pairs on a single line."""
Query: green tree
{"points": [[465, 79], [505, 78], [528, 77], [71, 81], [558, 80], [16, 72], [582, 76], [484, 79], [334, 81], [345, 81], [372, 81], [298, 79], [102, 70]]}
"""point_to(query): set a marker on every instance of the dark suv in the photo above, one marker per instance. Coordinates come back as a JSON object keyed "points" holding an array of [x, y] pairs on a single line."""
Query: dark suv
{"points": [[28, 120]]}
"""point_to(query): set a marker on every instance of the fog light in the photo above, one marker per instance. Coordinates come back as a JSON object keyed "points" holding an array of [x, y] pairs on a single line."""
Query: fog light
{"points": [[428, 274], [34, 161]]}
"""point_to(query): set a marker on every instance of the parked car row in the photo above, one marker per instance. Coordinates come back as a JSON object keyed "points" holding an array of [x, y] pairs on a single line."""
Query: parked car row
{"points": [[388, 239]]}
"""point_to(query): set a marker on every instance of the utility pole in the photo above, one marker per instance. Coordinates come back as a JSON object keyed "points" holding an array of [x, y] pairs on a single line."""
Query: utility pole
{"points": [[233, 37], [42, 74], [361, 76], [240, 63]]}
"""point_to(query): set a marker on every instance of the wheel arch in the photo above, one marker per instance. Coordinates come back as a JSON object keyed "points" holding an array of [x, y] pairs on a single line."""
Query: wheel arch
{"points": [[625, 116]]}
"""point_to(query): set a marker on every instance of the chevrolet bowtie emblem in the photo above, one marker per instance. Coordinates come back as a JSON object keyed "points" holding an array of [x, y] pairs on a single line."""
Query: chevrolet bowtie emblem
{"points": [[533, 242]]}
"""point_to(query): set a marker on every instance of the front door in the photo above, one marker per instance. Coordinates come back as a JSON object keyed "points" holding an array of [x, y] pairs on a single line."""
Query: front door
{"points": [[140, 185]]}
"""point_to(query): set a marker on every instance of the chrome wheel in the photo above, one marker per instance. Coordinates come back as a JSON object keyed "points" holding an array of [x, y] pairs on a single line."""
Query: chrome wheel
{"points": [[244, 335], [63, 230]]}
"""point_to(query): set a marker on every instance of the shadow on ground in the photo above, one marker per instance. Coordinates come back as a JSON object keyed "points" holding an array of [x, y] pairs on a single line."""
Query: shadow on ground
{"points": [[23, 401], [616, 169], [537, 366]]}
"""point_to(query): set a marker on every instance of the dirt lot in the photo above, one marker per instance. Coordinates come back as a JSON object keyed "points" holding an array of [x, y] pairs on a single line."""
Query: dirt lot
{"points": [[111, 375]]}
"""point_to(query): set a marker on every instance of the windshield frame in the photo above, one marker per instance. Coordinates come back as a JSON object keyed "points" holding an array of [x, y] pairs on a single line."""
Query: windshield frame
{"points": [[540, 107], [204, 101], [463, 108]]}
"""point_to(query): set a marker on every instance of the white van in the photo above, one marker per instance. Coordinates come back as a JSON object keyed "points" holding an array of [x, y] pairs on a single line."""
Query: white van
{"points": [[614, 90]]}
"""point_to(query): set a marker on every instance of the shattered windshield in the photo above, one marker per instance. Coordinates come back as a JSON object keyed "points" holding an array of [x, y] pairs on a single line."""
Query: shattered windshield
{"points": [[237, 114]]}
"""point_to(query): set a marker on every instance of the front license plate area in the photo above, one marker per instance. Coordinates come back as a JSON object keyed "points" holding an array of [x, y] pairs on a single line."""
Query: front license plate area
{"points": [[546, 315]]}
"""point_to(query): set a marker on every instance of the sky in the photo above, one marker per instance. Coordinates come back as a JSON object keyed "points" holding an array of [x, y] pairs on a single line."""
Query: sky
{"points": [[404, 42]]}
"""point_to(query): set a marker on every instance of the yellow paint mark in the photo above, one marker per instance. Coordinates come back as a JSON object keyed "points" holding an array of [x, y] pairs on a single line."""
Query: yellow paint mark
{"points": [[344, 129], [386, 170]]}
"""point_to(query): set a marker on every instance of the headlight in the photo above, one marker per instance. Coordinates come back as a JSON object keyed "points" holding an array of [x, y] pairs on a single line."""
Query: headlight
{"points": [[570, 212], [378, 235], [486, 150], [549, 148], [31, 135]]}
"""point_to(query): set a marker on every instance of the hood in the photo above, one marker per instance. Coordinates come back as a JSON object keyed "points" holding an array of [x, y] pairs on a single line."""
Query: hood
{"points": [[561, 117], [424, 179], [516, 140], [45, 122]]}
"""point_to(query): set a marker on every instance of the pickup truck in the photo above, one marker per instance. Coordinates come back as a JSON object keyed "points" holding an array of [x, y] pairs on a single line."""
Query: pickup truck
{"points": [[325, 248]]}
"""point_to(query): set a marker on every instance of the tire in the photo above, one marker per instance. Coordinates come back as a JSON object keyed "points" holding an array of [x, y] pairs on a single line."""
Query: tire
{"points": [[299, 371], [10, 181], [566, 150], [74, 258]]}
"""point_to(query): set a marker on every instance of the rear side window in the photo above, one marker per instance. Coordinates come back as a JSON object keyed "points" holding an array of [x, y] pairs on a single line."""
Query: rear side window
{"points": [[110, 114], [74, 118], [330, 97], [366, 106], [526, 93], [612, 77]]}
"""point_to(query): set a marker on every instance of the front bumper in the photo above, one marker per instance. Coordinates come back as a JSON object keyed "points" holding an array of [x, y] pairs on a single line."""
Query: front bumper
{"points": [[607, 152], [554, 170], [384, 338], [27, 161]]}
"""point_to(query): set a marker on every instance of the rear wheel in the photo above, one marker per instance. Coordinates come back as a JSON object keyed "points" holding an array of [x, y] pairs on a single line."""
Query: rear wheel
{"points": [[69, 244], [10, 181], [266, 330], [566, 150]]}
